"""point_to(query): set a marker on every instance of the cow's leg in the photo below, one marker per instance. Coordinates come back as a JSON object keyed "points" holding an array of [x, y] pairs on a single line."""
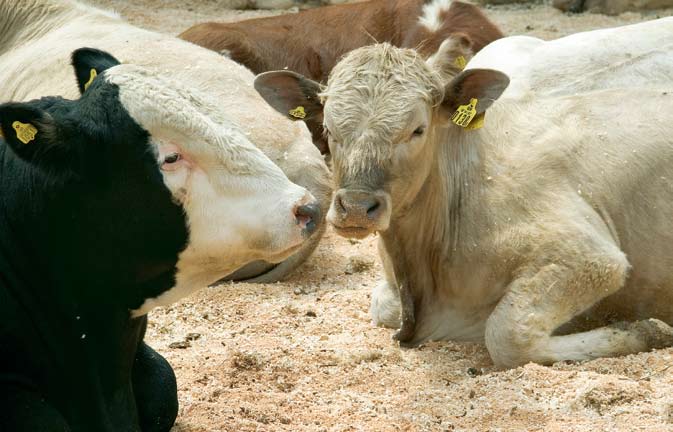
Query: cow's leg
{"points": [[385, 306], [521, 327], [155, 389], [22, 410]]}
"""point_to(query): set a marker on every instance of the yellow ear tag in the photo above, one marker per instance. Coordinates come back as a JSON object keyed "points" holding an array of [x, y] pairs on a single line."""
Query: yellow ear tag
{"points": [[465, 113], [25, 132], [460, 62], [477, 123], [92, 75], [298, 112]]}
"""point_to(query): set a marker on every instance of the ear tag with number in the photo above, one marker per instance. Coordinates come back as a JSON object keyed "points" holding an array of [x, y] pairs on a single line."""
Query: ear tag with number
{"points": [[92, 76], [465, 113], [25, 132], [477, 122], [460, 62], [298, 112]]}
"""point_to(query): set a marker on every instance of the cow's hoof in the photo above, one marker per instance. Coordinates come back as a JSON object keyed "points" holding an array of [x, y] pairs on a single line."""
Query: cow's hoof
{"points": [[657, 334]]}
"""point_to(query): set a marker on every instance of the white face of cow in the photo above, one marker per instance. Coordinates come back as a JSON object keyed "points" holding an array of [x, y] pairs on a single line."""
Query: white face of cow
{"points": [[385, 110], [382, 109], [239, 205]]}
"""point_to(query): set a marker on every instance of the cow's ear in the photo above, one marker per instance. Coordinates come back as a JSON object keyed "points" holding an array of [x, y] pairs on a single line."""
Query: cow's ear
{"points": [[89, 63], [471, 93], [30, 132], [291, 94], [452, 56]]}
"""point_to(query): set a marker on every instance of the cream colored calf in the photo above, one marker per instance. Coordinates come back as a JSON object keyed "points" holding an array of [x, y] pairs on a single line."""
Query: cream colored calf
{"points": [[544, 228]]}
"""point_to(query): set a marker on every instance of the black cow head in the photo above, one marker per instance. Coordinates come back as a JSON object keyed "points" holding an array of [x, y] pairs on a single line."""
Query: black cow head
{"points": [[85, 180]]}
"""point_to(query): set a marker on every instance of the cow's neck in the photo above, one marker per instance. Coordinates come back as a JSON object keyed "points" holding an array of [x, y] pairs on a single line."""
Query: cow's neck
{"points": [[453, 178], [431, 230]]}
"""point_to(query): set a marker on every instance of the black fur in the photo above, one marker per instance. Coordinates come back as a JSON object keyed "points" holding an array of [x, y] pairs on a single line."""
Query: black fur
{"points": [[88, 231]]}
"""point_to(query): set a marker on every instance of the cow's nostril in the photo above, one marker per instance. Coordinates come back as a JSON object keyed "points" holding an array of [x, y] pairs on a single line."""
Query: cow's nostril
{"points": [[340, 204], [373, 209], [308, 217]]}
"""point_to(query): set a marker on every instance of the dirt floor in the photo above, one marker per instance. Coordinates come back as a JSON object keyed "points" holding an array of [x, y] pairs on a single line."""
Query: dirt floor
{"points": [[303, 356]]}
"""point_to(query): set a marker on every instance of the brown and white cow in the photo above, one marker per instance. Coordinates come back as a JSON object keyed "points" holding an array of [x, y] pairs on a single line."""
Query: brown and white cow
{"points": [[312, 42], [532, 209]]}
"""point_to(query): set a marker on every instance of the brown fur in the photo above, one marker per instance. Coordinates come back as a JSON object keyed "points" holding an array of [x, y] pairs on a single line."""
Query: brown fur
{"points": [[312, 41]]}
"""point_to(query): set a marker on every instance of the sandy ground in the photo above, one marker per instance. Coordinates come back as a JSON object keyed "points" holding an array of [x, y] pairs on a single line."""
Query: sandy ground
{"points": [[302, 355]]}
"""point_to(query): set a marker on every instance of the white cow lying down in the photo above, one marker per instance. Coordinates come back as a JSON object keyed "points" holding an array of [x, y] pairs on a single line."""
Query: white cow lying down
{"points": [[38, 36], [548, 232]]}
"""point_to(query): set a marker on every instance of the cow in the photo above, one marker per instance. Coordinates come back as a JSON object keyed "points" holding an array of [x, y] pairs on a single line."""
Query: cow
{"points": [[38, 36], [311, 42], [128, 195], [524, 202]]}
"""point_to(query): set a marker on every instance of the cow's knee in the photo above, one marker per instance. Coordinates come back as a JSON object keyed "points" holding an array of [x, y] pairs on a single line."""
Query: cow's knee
{"points": [[156, 390], [520, 328], [385, 306], [511, 343], [26, 411]]}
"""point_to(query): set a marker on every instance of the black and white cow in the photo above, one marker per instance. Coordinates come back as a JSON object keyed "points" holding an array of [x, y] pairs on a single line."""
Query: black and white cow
{"points": [[98, 215]]}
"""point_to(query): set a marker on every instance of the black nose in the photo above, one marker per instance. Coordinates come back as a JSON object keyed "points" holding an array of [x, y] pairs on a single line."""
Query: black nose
{"points": [[308, 217]]}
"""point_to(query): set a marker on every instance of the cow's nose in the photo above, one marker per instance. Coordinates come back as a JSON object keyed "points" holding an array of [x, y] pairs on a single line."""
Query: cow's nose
{"points": [[359, 208], [307, 217]]}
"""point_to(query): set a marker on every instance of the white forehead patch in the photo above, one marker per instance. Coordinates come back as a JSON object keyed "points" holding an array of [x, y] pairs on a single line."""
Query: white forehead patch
{"points": [[161, 105], [431, 16]]}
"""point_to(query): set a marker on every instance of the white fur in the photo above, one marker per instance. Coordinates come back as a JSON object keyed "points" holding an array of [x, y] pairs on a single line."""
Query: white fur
{"points": [[431, 18], [629, 56]]}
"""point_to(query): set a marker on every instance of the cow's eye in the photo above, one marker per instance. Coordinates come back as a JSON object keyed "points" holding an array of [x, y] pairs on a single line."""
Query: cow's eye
{"points": [[419, 131], [172, 158], [170, 162]]}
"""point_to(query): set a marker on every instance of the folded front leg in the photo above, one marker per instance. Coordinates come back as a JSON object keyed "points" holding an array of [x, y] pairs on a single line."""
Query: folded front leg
{"points": [[521, 327]]}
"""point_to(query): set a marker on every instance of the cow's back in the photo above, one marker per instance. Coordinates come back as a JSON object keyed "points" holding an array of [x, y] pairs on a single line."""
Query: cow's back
{"points": [[309, 42], [622, 57]]}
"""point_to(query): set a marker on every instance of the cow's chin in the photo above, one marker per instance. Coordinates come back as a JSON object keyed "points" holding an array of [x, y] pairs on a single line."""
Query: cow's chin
{"points": [[354, 232]]}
